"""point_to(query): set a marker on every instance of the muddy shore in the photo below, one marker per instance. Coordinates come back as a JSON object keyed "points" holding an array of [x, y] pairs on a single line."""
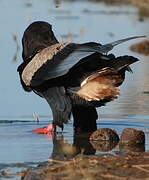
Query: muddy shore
{"points": [[129, 167], [129, 163]]}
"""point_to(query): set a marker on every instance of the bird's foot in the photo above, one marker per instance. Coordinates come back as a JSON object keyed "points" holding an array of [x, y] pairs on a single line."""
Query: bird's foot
{"points": [[48, 130]]}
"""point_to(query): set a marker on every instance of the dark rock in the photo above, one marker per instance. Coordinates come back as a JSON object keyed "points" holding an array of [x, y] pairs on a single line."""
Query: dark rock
{"points": [[124, 149], [104, 146], [141, 47], [104, 134], [132, 136], [104, 139]]}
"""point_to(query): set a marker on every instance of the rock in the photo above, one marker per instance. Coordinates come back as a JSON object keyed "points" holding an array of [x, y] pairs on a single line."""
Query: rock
{"points": [[141, 47], [104, 134], [104, 139], [131, 136], [104, 146], [124, 149]]}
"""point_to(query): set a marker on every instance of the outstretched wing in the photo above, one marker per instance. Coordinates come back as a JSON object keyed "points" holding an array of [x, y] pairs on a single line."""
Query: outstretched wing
{"points": [[104, 49], [58, 59], [52, 62]]}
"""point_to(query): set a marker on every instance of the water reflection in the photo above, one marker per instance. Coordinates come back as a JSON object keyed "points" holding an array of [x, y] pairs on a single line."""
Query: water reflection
{"points": [[104, 146], [124, 149], [81, 141], [63, 150]]}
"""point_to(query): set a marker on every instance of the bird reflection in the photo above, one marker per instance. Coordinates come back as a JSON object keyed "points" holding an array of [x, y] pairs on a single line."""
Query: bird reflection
{"points": [[81, 141], [62, 150]]}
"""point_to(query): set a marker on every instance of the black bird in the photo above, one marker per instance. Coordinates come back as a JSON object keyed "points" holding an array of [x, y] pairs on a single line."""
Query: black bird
{"points": [[73, 78]]}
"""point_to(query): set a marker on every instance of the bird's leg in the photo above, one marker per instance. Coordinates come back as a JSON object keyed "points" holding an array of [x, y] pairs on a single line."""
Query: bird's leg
{"points": [[48, 130], [84, 118]]}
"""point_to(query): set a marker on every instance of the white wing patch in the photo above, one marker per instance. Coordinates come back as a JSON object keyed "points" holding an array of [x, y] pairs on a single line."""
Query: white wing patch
{"points": [[100, 85], [40, 59]]}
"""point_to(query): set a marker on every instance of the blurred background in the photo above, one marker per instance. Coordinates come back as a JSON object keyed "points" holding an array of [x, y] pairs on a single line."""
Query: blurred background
{"points": [[73, 21]]}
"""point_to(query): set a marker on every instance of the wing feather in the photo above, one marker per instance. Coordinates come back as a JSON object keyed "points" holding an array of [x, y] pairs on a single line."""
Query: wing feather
{"points": [[101, 85], [58, 59]]}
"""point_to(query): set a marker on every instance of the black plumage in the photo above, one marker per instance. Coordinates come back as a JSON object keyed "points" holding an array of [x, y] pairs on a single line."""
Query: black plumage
{"points": [[73, 78]]}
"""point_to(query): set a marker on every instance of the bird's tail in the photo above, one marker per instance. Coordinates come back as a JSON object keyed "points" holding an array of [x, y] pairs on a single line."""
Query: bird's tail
{"points": [[103, 86], [60, 104]]}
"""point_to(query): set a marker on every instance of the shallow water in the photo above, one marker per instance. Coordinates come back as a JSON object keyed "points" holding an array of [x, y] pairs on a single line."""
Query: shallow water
{"points": [[77, 21]]}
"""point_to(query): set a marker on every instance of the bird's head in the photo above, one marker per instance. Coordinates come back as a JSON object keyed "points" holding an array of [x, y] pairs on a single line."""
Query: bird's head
{"points": [[36, 37]]}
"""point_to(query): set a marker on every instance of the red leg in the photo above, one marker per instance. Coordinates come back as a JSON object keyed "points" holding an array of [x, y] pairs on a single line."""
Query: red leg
{"points": [[46, 130]]}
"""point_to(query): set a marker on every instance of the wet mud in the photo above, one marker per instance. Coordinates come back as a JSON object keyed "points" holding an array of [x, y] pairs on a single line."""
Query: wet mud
{"points": [[129, 167], [129, 164]]}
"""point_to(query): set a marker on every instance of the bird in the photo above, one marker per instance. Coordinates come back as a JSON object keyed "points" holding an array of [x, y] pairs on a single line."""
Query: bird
{"points": [[73, 78]]}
